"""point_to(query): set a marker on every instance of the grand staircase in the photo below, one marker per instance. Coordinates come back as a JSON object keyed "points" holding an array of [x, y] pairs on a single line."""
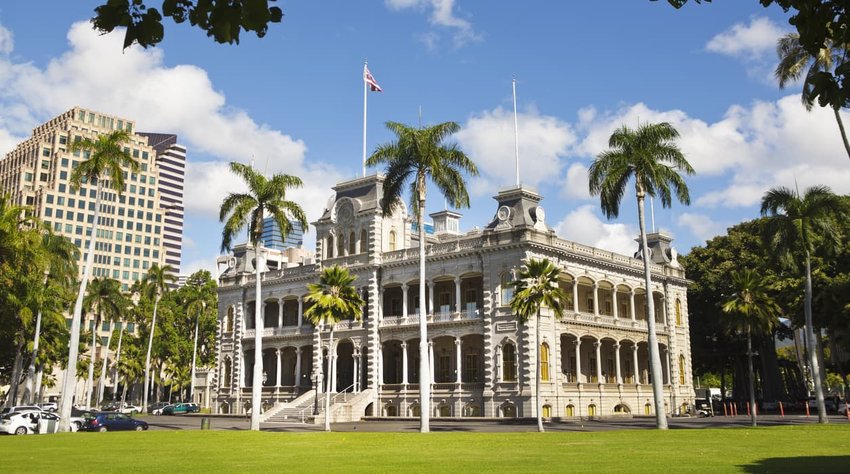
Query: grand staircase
{"points": [[299, 410]]}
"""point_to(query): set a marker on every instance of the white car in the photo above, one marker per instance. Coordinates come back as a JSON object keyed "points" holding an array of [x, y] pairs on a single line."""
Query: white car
{"points": [[34, 421], [842, 408], [130, 409]]}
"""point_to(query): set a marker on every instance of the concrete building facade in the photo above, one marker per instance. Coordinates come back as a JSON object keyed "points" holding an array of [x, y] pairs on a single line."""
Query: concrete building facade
{"points": [[594, 360]]}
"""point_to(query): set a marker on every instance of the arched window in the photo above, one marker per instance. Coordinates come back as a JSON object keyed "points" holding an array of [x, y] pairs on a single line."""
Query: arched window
{"points": [[352, 243], [340, 246], [544, 362], [681, 370], [330, 246], [226, 376], [570, 411], [391, 410], [678, 312], [392, 243], [228, 320], [591, 410], [647, 409], [547, 411], [364, 241], [509, 363], [508, 410], [507, 288]]}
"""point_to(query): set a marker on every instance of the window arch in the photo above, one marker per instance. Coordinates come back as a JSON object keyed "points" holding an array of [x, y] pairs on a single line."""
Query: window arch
{"points": [[591, 410], [570, 410], [352, 243], [364, 241], [330, 251], [392, 242], [678, 312], [508, 410], [340, 246], [681, 369], [228, 320], [226, 376], [547, 411], [507, 288], [544, 362], [647, 409], [509, 363]]}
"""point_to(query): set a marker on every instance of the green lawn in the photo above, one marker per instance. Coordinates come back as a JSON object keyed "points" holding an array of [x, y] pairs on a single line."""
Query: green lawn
{"points": [[808, 448]]}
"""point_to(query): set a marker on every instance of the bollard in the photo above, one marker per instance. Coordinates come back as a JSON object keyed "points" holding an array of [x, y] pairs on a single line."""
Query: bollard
{"points": [[748, 409], [781, 410], [725, 413], [735, 408], [205, 423], [807, 408]]}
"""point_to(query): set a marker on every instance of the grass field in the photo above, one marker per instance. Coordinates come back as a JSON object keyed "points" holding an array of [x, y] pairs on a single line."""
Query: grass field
{"points": [[798, 449]]}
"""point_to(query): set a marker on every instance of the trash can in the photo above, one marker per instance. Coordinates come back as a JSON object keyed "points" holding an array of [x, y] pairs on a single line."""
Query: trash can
{"points": [[205, 423]]}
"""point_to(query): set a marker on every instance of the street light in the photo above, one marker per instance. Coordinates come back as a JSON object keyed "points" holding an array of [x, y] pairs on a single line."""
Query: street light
{"points": [[315, 378]]}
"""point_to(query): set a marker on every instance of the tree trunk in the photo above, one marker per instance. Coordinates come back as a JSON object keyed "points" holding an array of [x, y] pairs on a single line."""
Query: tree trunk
{"points": [[194, 358], [652, 338], [752, 377], [843, 132], [92, 356], [537, 401], [257, 383], [147, 385], [810, 338], [424, 363], [101, 385], [29, 386], [39, 396], [12, 400], [70, 380], [117, 361], [330, 375]]}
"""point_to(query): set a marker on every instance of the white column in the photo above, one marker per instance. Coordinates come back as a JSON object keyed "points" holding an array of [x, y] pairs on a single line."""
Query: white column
{"points": [[380, 363], [636, 364], [431, 355], [356, 356], [280, 313], [598, 346], [332, 368], [617, 361], [498, 363], [297, 366], [596, 298], [300, 311], [277, 379], [431, 296], [575, 296], [458, 361], [381, 303], [664, 317], [578, 360], [404, 300], [632, 305], [404, 363], [614, 302], [458, 309], [667, 366]]}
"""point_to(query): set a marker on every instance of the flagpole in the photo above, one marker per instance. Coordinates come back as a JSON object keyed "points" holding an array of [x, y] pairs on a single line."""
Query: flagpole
{"points": [[365, 95], [516, 133]]}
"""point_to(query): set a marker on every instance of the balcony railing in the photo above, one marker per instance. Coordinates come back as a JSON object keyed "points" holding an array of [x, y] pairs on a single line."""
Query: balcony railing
{"points": [[441, 317]]}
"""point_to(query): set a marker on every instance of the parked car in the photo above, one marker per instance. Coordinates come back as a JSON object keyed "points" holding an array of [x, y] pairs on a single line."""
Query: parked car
{"points": [[19, 408], [129, 409], [111, 421], [176, 409], [842, 408], [49, 406], [31, 422], [156, 408], [193, 408]]}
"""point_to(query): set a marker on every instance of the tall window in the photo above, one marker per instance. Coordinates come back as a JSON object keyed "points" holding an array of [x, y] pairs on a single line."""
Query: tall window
{"points": [[352, 244], [330, 252], [544, 362], [228, 322], [681, 370], [509, 363], [364, 241], [340, 246], [392, 243], [226, 376], [507, 288], [678, 312]]}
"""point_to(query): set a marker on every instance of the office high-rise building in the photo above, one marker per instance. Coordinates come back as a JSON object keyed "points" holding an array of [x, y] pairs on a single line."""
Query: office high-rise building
{"points": [[136, 229], [273, 238]]}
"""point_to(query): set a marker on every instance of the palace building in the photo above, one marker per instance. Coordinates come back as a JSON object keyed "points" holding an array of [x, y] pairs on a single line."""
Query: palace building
{"points": [[593, 360]]}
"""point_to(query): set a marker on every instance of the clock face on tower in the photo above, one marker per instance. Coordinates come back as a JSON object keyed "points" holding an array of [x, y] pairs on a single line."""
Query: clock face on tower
{"points": [[503, 214], [344, 213]]}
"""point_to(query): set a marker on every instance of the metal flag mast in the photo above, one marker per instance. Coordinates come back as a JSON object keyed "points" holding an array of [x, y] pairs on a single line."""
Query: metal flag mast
{"points": [[365, 95], [516, 132]]}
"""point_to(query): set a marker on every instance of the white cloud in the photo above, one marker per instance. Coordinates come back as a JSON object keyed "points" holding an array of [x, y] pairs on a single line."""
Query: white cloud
{"points": [[488, 139], [443, 14], [575, 184], [753, 41], [582, 225], [7, 42], [701, 225]]}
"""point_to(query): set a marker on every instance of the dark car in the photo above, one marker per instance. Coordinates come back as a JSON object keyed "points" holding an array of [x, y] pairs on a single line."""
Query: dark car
{"points": [[111, 421], [193, 408], [177, 409], [156, 408]]}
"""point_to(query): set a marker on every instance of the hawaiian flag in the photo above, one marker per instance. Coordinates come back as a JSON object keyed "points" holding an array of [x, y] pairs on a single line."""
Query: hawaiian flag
{"points": [[373, 84]]}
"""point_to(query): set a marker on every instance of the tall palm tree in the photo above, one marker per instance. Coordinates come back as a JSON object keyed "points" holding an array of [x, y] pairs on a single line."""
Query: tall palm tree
{"points": [[155, 284], [416, 155], [536, 286], [104, 166], [650, 155], [756, 311], [794, 59], [197, 306], [797, 225], [333, 299], [104, 300], [264, 196]]}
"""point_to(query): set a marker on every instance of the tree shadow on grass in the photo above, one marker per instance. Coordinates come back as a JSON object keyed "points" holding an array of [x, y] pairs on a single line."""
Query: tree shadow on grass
{"points": [[819, 464]]}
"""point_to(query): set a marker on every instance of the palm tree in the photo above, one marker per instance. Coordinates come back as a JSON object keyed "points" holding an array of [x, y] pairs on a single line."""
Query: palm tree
{"points": [[333, 299], [416, 155], [155, 283], [197, 306], [537, 286], [104, 300], [794, 59], [757, 312], [240, 209], [796, 225], [643, 153], [104, 166]]}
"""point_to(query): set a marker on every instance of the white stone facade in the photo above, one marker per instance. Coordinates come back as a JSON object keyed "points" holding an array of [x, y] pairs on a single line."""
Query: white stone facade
{"points": [[483, 361]]}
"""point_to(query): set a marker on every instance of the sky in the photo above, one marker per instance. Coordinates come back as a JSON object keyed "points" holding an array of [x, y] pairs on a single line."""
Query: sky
{"points": [[292, 102]]}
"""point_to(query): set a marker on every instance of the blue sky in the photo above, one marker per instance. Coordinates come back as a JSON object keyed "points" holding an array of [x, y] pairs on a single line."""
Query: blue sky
{"points": [[292, 101]]}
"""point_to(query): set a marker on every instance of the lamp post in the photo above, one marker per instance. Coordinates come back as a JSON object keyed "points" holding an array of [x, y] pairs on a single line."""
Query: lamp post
{"points": [[315, 379]]}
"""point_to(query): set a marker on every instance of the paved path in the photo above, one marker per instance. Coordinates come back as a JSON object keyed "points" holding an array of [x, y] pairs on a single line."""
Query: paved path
{"points": [[235, 423]]}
